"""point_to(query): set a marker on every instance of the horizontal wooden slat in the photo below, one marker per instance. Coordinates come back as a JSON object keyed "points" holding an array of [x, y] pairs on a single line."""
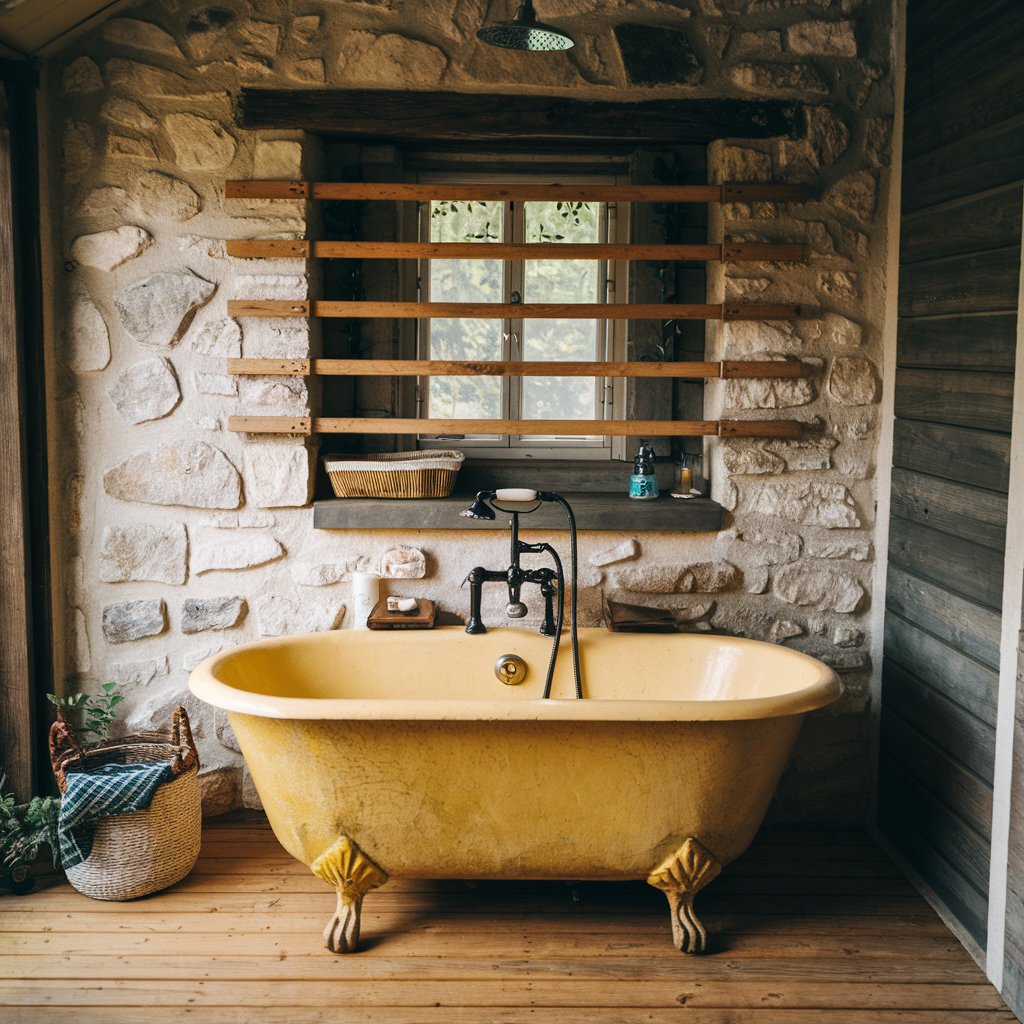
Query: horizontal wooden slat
{"points": [[989, 159], [949, 833], [963, 680], [503, 310], [730, 252], [975, 341], [967, 738], [954, 453], [943, 776], [972, 224], [968, 569], [962, 624], [731, 192], [303, 425], [965, 399], [951, 506], [971, 283], [963, 900], [497, 368]]}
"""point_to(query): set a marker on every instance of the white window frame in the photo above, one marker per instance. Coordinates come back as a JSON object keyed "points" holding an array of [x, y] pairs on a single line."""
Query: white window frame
{"points": [[610, 392]]}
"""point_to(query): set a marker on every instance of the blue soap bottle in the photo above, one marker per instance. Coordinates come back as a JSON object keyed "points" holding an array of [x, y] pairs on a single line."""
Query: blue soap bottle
{"points": [[643, 484]]}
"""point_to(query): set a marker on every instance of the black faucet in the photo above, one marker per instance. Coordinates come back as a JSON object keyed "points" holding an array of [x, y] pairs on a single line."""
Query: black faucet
{"points": [[514, 577], [551, 581]]}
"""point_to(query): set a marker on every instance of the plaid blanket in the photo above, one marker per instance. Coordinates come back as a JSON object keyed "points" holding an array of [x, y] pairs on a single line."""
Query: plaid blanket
{"points": [[103, 792]]}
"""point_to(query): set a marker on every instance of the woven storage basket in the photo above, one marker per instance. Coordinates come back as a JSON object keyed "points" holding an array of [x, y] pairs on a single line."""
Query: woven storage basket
{"points": [[429, 474], [137, 854]]}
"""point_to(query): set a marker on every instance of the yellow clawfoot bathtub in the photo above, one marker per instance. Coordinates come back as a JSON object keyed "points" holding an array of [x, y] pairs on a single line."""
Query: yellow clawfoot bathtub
{"points": [[378, 754]]}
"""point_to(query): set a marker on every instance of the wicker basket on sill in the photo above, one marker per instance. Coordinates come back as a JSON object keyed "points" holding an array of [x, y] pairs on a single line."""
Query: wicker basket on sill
{"points": [[145, 851], [427, 474]]}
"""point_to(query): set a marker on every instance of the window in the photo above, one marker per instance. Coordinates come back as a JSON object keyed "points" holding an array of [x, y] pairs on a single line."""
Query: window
{"points": [[515, 280]]}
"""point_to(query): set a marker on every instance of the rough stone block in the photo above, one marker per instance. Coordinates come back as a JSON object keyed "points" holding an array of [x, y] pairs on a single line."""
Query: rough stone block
{"points": [[81, 76], [219, 338], [144, 552], [141, 35], [214, 548], [620, 552], [278, 615], [312, 69], [220, 791], [164, 197], [127, 114], [655, 55], [127, 147], [145, 391], [131, 675], [749, 457], [199, 614], [277, 474], [784, 629], [86, 339], [403, 564], [854, 549], [709, 578], [854, 380], [190, 473], [769, 394], [649, 578], [223, 731], [822, 39], [277, 158], [318, 574], [106, 250], [800, 80], [250, 795], [133, 620], [199, 143], [810, 502], [809, 454], [390, 60], [855, 194], [157, 310], [825, 589]]}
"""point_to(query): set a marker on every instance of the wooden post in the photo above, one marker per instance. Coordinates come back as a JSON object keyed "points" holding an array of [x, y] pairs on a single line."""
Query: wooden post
{"points": [[16, 719]]}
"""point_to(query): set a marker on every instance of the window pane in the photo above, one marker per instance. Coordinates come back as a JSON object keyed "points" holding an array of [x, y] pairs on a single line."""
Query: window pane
{"points": [[465, 281], [561, 281]]}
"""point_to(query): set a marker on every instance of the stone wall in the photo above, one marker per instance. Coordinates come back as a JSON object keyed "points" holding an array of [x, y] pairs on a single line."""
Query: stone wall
{"points": [[178, 538]]}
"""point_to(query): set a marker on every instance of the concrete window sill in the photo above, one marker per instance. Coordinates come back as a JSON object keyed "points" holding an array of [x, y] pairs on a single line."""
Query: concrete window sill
{"points": [[594, 511]]}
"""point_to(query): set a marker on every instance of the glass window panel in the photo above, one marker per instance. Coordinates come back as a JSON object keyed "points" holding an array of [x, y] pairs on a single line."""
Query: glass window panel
{"points": [[465, 280]]}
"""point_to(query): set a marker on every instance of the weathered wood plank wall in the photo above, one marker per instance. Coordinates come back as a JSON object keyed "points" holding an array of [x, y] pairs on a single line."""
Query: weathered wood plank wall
{"points": [[960, 245]]}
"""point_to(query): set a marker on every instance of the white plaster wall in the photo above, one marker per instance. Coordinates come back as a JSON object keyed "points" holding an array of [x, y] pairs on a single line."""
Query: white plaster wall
{"points": [[142, 136]]}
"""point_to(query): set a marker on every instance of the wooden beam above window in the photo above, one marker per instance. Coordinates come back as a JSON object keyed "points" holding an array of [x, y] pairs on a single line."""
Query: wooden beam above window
{"points": [[519, 310], [420, 192], [507, 120]]}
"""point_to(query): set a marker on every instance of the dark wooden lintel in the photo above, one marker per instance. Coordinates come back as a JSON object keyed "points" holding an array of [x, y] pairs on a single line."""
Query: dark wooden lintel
{"points": [[391, 115]]}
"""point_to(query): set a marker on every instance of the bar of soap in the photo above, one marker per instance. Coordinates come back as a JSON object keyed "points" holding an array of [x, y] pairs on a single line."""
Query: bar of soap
{"points": [[406, 604]]}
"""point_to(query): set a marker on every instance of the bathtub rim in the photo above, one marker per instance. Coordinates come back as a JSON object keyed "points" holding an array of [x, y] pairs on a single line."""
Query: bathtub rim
{"points": [[204, 684]]}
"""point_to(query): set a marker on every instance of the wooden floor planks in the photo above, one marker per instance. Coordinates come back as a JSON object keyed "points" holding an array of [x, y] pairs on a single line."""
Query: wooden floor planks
{"points": [[808, 928]]}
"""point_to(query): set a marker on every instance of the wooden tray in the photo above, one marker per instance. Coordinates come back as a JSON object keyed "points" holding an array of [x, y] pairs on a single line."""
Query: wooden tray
{"points": [[634, 618], [422, 618]]}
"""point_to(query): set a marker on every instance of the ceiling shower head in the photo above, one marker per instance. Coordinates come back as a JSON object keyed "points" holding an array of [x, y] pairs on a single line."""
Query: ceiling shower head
{"points": [[525, 32], [479, 509]]}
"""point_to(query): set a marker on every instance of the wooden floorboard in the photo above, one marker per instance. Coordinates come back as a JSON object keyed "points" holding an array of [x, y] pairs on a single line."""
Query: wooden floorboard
{"points": [[809, 927]]}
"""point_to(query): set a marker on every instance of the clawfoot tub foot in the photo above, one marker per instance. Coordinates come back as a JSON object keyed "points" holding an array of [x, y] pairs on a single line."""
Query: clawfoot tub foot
{"points": [[353, 875], [680, 877]]}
